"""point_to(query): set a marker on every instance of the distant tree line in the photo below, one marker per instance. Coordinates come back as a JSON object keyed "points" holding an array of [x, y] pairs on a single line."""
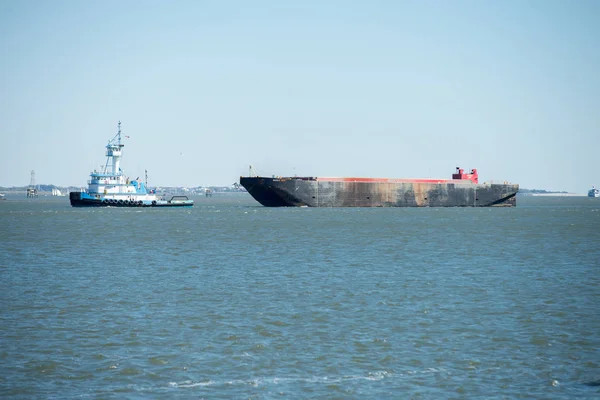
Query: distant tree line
{"points": [[41, 188], [536, 191], [48, 188]]}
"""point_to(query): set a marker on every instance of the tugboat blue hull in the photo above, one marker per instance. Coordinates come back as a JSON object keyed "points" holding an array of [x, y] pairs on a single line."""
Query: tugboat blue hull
{"points": [[82, 199]]}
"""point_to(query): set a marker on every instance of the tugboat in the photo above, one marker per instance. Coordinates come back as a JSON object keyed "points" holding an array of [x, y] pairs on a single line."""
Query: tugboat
{"points": [[593, 192], [111, 188]]}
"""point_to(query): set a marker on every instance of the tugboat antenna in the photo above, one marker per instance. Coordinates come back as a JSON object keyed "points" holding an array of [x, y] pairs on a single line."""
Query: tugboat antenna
{"points": [[119, 132]]}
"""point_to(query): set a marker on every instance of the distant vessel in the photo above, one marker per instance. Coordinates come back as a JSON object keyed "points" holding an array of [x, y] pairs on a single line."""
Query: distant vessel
{"points": [[593, 192], [57, 192], [112, 188], [2, 196], [463, 190]]}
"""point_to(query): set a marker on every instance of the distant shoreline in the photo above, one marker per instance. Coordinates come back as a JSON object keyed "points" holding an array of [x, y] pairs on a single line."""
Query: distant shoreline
{"points": [[200, 190], [224, 189], [554, 194]]}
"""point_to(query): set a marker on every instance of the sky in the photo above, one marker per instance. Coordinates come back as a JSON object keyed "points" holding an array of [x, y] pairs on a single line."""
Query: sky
{"points": [[394, 89]]}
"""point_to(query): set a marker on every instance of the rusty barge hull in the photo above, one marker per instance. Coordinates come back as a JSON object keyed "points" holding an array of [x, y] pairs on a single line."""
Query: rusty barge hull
{"points": [[370, 192]]}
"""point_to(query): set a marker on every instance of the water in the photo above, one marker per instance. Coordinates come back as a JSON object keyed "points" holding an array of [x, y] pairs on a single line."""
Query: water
{"points": [[229, 299]]}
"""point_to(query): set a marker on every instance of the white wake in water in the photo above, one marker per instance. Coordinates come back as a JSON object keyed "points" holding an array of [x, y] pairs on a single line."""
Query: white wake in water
{"points": [[371, 376]]}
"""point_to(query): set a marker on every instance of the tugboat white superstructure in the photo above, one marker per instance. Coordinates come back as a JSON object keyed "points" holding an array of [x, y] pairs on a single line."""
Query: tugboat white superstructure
{"points": [[111, 187]]}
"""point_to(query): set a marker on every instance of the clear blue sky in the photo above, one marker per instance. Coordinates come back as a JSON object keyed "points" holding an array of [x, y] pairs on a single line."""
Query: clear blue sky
{"points": [[321, 88]]}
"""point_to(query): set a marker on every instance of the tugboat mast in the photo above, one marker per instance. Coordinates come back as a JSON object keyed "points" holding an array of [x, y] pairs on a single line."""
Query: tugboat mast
{"points": [[114, 151]]}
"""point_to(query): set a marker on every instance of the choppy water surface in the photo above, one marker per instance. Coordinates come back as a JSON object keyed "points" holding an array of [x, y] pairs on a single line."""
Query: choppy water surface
{"points": [[229, 299]]}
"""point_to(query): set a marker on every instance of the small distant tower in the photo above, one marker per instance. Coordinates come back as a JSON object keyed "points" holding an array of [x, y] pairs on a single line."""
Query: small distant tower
{"points": [[32, 190]]}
